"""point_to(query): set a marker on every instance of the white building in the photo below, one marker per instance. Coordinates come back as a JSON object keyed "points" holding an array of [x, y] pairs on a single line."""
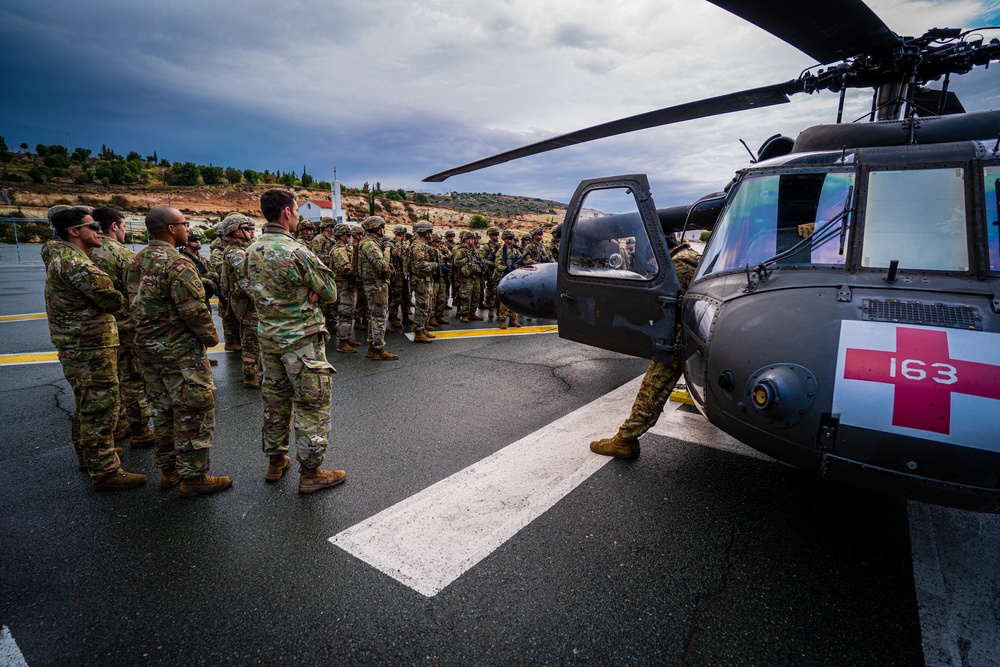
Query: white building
{"points": [[314, 209]]}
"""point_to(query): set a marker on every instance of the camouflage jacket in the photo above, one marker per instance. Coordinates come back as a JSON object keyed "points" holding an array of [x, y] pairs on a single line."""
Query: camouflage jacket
{"points": [[685, 261], [420, 261], [462, 262], [113, 258], [489, 252], [168, 304], [321, 245], [505, 259], [342, 264], [233, 280], [208, 278], [399, 255], [282, 272], [215, 258], [79, 300], [374, 263], [538, 253]]}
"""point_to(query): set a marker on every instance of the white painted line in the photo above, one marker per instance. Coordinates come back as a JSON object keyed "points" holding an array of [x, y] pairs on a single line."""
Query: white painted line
{"points": [[10, 654], [432, 538], [956, 573]]}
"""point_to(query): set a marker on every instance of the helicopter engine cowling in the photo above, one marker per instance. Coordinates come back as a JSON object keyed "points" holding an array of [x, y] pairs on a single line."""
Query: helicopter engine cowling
{"points": [[530, 290]]}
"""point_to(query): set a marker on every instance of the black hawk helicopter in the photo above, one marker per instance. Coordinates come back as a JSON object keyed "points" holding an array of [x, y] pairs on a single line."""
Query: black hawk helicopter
{"points": [[844, 315]]}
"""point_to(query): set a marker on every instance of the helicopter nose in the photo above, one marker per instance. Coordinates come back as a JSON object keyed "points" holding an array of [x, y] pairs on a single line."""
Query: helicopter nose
{"points": [[530, 290]]}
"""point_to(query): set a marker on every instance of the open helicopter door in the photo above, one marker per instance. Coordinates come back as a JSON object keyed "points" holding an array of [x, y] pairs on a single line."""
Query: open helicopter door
{"points": [[617, 288]]}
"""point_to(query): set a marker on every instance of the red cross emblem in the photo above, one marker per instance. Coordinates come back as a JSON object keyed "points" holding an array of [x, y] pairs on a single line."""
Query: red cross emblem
{"points": [[924, 376]]}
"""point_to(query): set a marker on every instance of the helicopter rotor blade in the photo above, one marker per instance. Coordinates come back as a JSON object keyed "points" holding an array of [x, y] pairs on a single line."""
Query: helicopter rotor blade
{"points": [[825, 31], [713, 106]]}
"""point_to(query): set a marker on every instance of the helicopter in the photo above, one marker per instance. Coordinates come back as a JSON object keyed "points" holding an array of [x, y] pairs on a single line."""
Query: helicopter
{"points": [[845, 314]]}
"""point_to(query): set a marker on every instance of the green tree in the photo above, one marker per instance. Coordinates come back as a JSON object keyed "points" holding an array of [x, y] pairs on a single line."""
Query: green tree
{"points": [[111, 172], [420, 198], [251, 176], [40, 174], [184, 173], [81, 155], [478, 222], [705, 236], [233, 175], [394, 196], [107, 154], [40, 150], [211, 175], [133, 155], [371, 203], [24, 147], [288, 179], [56, 161], [378, 189], [365, 187], [307, 180]]}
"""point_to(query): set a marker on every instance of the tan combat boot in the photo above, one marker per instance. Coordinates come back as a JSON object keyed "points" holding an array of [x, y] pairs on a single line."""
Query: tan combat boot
{"points": [[122, 430], [492, 313], [119, 480], [314, 479], [465, 318], [251, 382], [169, 479], [616, 446], [371, 351], [234, 347], [503, 323], [276, 466], [476, 317], [420, 336], [345, 347], [384, 355], [197, 486], [441, 321], [352, 343], [394, 322], [427, 332], [514, 323], [142, 436]]}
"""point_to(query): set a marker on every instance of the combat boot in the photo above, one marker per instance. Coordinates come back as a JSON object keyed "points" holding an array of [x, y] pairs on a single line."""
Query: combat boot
{"points": [[429, 326], [197, 486], [389, 330], [371, 351], [169, 478], [514, 323], [142, 436], [119, 480], [361, 326], [503, 323], [384, 355], [314, 479], [394, 321], [352, 343], [427, 332], [82, 462], [476, 317], [122, 430], [492, 313], [234, 347], [616, 446], [441, 321], [420, 336], [465, 318], [345, 347], [276, 466], [251, 382]]}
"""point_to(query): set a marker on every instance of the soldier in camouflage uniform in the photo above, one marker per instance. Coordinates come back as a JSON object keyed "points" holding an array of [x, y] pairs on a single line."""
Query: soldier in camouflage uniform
{"points": [[658, 382], [423, 267], [173, 331], [230, 320], [113, 258], [440, 289], [306, 232], [374, 269], [239, 229], [323, 241], [538, 251], [468, 270], [361, 305], [290, 286], [488, 253], [448, 252], [79, 300], [506, 257], [343, 263], [399, 286]]}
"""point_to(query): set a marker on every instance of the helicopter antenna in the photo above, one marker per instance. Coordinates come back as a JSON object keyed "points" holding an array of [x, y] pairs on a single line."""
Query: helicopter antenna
{"points": [[753, 158]]}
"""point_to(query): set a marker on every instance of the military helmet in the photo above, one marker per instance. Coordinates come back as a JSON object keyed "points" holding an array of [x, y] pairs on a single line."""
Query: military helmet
{"points": [[231, 224], [194, 237], [557, 231], [58, 208], [526, 236], [492, 230], [436, 237], [508, 234], [450, 233], [373, 222], [398, 230], [326, 221], [357, 231], [536, 230], [307, 224], [341, 228], [423, 226]]}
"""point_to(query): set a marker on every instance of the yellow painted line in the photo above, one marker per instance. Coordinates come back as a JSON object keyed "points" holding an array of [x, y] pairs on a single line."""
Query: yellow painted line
{"points": [[681, 396], [485, 333], [21, 318], [28, 358]]}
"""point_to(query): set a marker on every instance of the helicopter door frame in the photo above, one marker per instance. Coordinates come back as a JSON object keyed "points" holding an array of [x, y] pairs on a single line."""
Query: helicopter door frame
{"points": [[605, 306]]}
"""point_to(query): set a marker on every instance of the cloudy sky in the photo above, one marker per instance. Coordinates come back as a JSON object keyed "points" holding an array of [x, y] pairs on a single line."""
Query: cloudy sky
{"points": [[395, 90]]}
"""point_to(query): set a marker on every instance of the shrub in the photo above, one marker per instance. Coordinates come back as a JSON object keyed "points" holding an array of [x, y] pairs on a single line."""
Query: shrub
{"points": [[478, 222], [705, 236]]}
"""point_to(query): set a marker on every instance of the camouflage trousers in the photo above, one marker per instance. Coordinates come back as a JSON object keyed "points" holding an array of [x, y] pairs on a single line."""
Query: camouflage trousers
{"points": [[377, 295], [230, 325], [251, 346], [298, 382], [656, 386], [469, 293], [399, 297], [132, 387], [490, 294], [423, 289], [93, 375], [440, 296], [182, 396], [347, 297]]}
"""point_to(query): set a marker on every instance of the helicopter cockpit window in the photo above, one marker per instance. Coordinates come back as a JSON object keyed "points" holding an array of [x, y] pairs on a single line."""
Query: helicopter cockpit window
{"points": [[609, 240], [794, 219], [916, 216], [992, 175]]}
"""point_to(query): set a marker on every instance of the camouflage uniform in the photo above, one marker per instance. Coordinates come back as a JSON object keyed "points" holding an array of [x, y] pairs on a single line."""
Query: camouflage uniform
{"points": [[505, 258], [235, 285], [173, 330], [361, 302], [661, 376], [297, 377], [113, 258], [79, 300], [488, 253], [209, 280], [423, 267], [399, 287], [442, 279], [345, 270], [538, 253], [374, 269], [466, 267], [230, 320]]}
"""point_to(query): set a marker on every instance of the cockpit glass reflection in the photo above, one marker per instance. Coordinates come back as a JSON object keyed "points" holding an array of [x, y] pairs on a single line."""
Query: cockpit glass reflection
{"points": [[608, 239]]}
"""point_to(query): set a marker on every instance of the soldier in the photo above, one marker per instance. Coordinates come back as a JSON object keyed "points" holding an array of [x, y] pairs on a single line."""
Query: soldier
{"points": [[488, 253], [537, 251], [440, 291], [230, 320], [209, 280], [659, 380], [79, 300], [307, 230], [399, 287], [239, 230], [628, 254], [525, 240], [361, 305], [113, 258], [343, 263], [323, 241], [423, 267], [374, 269], [556, 238], [173, 331], [448, 249], [507, 257], [468, 270], [290, 287]]}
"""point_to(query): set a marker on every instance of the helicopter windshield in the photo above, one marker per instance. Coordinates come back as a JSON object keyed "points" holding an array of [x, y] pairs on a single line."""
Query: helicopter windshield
{"points": [[992, 207], [916, 216], [772, 214]]}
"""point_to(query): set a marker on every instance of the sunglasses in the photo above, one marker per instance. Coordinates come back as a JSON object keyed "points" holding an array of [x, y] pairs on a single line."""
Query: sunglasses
{"points": [[247, 229], [96, 226]]}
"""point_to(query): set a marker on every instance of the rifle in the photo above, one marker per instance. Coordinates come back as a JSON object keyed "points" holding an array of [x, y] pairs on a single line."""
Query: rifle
{"points": [[518, 263], [482, 267]]}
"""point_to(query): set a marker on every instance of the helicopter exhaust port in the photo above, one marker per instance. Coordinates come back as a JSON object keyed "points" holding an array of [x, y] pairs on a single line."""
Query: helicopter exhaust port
{"points": [[781, 394]]}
